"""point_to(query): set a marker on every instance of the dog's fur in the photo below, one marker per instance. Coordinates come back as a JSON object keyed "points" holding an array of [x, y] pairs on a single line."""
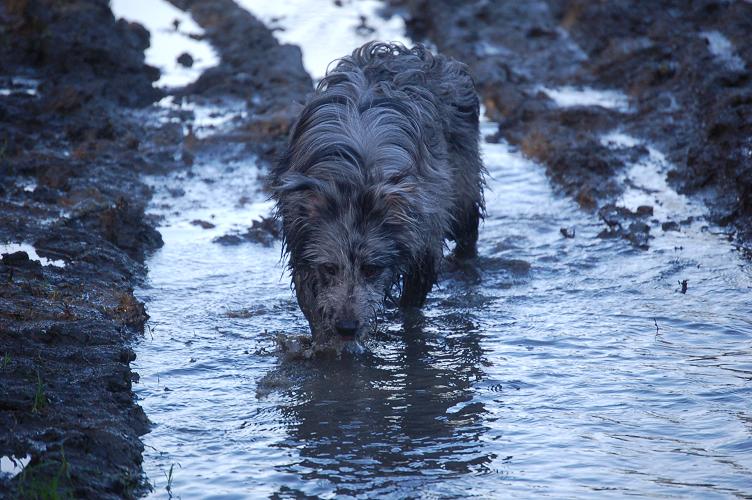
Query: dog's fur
{"points": [[382, 166]]}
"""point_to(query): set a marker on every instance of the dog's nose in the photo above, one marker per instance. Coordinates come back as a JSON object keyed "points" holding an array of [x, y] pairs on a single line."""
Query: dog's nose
{"points": [[347, 328]]}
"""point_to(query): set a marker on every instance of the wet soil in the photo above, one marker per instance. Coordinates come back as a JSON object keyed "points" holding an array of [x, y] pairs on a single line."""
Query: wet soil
{"points": [[78, 129], [685, 67]]}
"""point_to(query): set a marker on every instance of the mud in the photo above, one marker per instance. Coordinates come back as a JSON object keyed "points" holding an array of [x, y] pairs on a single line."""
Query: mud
{"points": [[683, 66], [264, 231], [78, 128]]}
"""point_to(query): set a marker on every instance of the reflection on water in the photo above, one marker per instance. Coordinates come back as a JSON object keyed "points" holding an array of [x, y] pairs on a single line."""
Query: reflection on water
{"points": [[404, 420]]}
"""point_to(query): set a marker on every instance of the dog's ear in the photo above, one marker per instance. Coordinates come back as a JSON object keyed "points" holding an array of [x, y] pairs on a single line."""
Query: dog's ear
{"points": [[300, 196], [397, 200]]}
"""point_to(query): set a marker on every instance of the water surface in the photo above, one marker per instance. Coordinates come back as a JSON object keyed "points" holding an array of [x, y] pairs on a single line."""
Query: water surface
{"points": [[562, 367]]}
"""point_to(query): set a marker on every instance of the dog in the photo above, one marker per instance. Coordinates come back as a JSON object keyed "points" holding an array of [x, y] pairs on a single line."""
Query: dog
{"points": [[382, 167]]}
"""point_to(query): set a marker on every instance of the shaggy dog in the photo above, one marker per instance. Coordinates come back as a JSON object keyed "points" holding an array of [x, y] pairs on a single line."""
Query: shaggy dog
{"points": [[381, 168]]}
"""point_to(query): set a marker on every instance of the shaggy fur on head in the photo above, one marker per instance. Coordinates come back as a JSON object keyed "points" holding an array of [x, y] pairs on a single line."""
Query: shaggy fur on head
{"points": [[381, 167]]}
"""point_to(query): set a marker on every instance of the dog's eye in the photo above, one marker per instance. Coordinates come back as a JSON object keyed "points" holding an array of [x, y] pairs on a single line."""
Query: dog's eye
{"points": [[329, 269], [371, 271]]}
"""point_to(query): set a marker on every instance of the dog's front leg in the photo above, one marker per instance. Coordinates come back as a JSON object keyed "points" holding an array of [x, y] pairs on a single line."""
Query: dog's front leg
{"points": [[418, 281]]}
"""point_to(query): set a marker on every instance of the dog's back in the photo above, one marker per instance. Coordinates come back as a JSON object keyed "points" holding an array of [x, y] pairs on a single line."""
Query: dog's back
{"points": [[438, 82]]}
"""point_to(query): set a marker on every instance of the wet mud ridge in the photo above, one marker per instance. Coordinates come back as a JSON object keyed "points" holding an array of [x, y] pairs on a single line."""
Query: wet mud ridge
{"points": [[677, 74], [79, 126]]}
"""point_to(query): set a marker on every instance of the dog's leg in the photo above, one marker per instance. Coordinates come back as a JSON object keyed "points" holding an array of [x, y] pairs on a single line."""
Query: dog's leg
{"points": [[418, 282], [465, 231]]}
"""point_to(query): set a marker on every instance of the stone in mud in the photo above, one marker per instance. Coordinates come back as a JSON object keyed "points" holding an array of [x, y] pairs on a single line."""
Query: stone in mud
{"points": [[185, 60], [229, 240], [626, 224], [20, 260], [264, 231], [123, 225], [202, 224]]}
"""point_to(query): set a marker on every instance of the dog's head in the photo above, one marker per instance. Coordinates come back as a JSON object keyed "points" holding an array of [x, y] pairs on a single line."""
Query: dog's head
{"points": [[347, 245]]}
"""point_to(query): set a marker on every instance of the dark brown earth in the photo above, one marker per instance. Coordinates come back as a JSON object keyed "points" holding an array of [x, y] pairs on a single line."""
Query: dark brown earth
{"points": [[694, 106], [82, 141]]}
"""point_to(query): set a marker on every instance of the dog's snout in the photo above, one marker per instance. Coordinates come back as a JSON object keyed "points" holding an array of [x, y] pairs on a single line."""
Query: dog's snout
{"points": [[347, 328]]}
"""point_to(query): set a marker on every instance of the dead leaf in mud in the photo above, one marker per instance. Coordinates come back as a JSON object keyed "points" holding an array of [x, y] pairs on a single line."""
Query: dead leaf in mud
{"points": [[130, 311]]}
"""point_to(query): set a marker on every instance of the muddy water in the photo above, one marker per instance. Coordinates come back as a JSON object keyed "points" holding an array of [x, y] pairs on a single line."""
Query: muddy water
{"points": [[567, 367]]}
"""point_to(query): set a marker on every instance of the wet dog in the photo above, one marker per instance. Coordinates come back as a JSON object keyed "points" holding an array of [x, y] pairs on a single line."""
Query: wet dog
{"points": [[382, 167]]}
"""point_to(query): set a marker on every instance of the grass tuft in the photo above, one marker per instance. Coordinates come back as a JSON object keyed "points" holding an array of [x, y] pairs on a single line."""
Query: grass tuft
{"points": [[38, 482], [40, 399]]}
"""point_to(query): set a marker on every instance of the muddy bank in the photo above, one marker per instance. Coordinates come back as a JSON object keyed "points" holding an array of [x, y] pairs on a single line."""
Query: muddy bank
{"points": [[684, 68], [71, 152], [78, 127]]}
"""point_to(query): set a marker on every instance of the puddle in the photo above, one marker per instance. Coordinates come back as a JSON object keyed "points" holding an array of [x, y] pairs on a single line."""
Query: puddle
{"points": [[722, 48], [207, 118], [309, 23], [645, 182], [10, 466], [28, 184], [566, 368], [169, 42], [18, 85], [567, 97], [31, 252]]}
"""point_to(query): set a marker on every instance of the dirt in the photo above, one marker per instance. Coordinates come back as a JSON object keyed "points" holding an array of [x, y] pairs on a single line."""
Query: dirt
{"points": [[695, 106], [264, 231], [78, 128]]}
